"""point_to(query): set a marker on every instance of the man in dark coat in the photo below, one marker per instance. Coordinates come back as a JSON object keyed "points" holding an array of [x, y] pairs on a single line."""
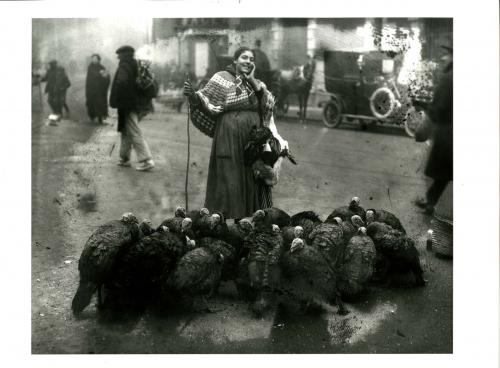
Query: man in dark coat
{"points": [[131, 108], [57, 84], [440, 163], [262, 65], [96, 90]]}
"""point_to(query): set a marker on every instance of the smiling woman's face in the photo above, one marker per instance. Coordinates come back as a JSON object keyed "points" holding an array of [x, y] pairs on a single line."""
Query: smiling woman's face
{"points": [[244, 62]]}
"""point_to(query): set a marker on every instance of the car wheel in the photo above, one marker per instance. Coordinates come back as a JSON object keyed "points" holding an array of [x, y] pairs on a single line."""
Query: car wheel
{"points": [[332, 114]]}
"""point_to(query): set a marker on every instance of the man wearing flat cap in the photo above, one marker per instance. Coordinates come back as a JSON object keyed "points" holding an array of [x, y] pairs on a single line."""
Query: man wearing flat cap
{"points": [[131, 109], [440, 162]]}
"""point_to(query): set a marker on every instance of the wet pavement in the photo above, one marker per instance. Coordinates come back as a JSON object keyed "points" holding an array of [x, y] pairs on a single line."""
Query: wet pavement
{"points": [[381, 166]]}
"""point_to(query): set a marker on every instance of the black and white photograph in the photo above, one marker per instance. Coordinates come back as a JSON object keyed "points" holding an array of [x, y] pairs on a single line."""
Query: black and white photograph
{"points": [[308, 209], [244, 182]]}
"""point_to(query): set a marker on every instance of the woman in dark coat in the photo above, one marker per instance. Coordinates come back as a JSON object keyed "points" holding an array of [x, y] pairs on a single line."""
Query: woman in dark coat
{"points": [[440, 163], [226, 109], [96, 90]]}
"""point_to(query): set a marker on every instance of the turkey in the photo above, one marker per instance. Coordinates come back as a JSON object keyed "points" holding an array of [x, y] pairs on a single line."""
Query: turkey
{"points": [[180, 227], [198, 273], [289, 233], [357, 265], [398, 249], [200, 218], [243, 283], [356, 223], [146, 227], [329, 240], [198, 213], [230, 265], [386, 217], [174, 224], [308, 278], [142, 269], [210, 225], [254, 149], [99, 255], [265, 244], [346, 212], [307, 219], [241, 228], [246, 288], [277, 216], [348, 228], [215, 226], [236, 234]]}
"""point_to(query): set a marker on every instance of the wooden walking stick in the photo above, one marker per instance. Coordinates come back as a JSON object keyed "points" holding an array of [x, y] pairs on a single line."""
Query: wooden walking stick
{"points": [[189, 136], [188, 150]]}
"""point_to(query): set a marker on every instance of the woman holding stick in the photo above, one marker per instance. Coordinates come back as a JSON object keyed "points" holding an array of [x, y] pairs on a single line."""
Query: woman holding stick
{"points": [[226, 109]]}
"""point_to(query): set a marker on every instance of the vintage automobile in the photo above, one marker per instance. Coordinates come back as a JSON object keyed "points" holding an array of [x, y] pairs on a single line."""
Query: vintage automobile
{"points": [[363, 87]]}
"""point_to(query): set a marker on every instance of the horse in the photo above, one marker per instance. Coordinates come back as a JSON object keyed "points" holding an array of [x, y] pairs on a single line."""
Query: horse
{"points": [[296, 81]]}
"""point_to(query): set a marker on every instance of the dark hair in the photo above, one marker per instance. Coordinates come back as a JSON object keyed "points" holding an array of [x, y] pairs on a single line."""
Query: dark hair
{"points": [[97, 56], [241, 50]]}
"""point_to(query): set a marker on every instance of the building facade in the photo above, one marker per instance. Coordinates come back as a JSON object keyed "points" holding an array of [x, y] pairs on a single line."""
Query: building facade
{"points": [[202, 42]]}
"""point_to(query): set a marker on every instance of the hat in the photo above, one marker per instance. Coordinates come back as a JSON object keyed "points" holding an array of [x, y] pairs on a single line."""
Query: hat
{"points": [[125, 49]]}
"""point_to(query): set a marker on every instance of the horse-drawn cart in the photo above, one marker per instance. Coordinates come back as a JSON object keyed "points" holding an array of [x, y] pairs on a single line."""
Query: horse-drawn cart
{"points": [[363, 87]]}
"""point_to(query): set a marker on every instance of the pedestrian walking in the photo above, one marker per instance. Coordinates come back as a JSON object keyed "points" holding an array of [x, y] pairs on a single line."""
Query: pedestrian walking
{"points": [[96, 90], [226, 109], [132, 107], [440, 162], [56, 86]]}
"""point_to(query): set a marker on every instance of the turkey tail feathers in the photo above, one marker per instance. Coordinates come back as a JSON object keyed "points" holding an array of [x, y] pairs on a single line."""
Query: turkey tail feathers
{"points": [[309, 215], [83, 296]]}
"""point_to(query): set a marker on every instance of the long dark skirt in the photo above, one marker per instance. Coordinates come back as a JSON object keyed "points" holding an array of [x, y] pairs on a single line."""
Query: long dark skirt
{"points": [[97, 104], [231, 187]]}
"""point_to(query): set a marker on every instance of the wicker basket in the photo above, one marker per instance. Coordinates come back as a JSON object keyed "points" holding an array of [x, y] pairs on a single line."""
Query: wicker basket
{"points": [[442, 236]]}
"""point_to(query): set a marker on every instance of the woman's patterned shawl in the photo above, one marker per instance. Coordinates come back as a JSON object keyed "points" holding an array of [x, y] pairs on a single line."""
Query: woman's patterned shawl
{"points": [[229, 91]]}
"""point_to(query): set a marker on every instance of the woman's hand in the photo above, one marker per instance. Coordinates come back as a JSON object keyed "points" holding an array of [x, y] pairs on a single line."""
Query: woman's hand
{"points": [[188, 89], [214, 109], [251, 74], [251, 78]]}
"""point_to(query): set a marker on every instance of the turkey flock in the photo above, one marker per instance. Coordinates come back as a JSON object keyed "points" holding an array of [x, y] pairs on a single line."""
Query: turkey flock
{"points": [[272, 258]]}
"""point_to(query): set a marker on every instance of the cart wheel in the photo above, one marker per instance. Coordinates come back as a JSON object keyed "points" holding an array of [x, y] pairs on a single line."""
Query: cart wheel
{"points": [[332, 114], [413, 120]]}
